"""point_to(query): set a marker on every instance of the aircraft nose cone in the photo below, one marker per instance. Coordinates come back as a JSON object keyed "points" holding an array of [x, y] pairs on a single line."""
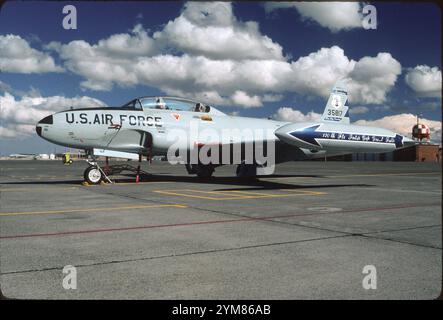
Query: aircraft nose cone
{"points": [[45, 120]]}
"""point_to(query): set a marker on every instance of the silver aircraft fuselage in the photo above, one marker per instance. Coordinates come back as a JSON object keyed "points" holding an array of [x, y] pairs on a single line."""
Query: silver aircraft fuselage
{"points": [[140, 127]]}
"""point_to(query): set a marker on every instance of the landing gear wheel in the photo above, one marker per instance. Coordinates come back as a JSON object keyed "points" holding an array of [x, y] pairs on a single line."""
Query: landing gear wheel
{"points": [[204, 171], [93, 175], [247, 171]]}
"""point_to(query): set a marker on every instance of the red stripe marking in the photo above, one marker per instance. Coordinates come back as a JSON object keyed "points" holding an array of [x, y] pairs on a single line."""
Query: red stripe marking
{"points": [[212, 222]]}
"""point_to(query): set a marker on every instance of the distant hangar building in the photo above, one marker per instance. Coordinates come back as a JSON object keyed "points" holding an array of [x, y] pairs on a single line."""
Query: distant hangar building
{"points": [[422, 152], [418, 153]]}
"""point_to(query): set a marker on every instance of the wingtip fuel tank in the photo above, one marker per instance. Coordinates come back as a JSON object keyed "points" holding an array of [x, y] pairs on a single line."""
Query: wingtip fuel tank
{"points": [[337, 136]]}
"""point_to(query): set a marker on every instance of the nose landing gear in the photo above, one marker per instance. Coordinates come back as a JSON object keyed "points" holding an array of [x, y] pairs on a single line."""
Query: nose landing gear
{"points": [[93, 175]]}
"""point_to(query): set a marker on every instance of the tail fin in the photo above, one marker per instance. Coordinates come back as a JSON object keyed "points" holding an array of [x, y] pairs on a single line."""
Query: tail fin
{"points": [[335, 110]]}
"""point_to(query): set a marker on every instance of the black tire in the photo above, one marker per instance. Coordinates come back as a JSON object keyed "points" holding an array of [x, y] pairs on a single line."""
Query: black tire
{"points": [[204, 171], [93, 175], [246, 171]]}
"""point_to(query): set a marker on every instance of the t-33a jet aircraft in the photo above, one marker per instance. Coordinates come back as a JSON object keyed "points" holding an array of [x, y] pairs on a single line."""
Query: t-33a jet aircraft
{"points": [[174, 127]]}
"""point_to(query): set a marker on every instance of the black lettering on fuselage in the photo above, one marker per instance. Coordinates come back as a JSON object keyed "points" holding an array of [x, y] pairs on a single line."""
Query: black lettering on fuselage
{"points": [[141, 121], [122, 118], [108, 118], [67, 118], [96, 119], [132, 120], [83, 118]]}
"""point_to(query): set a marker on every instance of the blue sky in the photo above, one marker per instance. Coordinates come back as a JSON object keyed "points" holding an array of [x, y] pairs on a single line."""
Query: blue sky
{"points": [[409, 32]]}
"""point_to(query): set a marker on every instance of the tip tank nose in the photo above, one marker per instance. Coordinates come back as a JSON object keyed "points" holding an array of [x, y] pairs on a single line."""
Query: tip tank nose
{"points": [[407, 142]]}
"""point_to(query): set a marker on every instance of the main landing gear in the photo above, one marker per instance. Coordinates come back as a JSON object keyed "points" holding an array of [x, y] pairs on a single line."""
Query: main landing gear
{"points": [[202, 171], [247, 171]]}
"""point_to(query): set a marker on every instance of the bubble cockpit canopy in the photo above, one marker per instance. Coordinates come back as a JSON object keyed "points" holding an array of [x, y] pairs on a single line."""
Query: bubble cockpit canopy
{"points": [[170, 103]]}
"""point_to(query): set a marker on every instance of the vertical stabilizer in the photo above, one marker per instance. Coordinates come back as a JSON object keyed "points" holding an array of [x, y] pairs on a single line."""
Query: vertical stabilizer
{"points": [[336, 110]]}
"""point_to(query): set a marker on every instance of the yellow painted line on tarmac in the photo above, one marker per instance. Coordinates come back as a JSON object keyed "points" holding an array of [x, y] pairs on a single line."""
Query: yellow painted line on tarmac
{"points": [[227, 195], [194, 196], [355, 175], [384, 174], [92, 209], [209, 192], [143, 182], [39, 177], [292, 191], [261, 194], [106, 184], [35, 189]]}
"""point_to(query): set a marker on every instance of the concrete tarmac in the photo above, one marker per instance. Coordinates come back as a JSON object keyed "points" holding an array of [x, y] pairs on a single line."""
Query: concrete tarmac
{"points": [[307, 232]]}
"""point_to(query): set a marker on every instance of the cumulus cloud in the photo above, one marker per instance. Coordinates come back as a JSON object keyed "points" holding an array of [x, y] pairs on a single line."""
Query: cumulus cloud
{"points": [[204, 43], [241, 98], [358, 110], [368, 79], [372, 78], [335, 16], [403, 123], [317, 72], [424, 80], [292, 115], [19, 115], [198, 55], [211, 29], [6, 133], [108, 61], [17, 56], [219, 80]]}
